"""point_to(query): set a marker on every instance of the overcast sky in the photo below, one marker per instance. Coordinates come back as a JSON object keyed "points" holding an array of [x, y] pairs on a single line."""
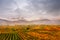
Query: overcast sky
{"points": [[30, 9]]}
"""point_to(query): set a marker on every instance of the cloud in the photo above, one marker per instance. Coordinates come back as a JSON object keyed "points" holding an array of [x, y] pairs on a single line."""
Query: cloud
{"points": [[52, 7], [30, 8], [6, 6]]}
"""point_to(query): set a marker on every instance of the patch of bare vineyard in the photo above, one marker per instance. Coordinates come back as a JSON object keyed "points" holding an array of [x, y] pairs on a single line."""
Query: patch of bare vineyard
{"points": [[30, 32]]}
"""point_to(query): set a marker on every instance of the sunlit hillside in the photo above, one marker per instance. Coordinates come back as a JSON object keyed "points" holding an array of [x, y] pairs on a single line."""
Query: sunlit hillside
{"points": [[30, 32]]}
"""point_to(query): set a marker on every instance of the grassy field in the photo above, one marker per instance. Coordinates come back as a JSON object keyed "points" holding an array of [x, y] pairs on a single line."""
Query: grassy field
{"points": [[30, 32]]}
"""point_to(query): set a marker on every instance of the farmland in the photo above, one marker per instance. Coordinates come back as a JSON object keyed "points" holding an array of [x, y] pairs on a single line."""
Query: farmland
{"points": [[30, 32]]}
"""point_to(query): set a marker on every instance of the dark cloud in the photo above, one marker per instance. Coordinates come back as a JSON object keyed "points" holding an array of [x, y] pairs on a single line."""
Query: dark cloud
{"points": [[6, 3], [5, 7], [50, 6]]}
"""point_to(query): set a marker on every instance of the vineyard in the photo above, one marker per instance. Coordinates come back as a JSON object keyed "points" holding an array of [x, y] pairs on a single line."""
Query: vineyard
{"points": [[9, 36], [30, 32]]}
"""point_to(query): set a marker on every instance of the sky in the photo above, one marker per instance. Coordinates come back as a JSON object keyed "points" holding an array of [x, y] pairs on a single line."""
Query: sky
{"points": [[30, 9]]}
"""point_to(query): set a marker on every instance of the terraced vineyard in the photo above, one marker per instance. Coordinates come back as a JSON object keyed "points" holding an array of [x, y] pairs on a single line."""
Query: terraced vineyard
{"points": [[30, 32]]}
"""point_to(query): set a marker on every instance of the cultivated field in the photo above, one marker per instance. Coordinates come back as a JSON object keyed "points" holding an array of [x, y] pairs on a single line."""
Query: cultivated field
{"points": [[30, 32]]}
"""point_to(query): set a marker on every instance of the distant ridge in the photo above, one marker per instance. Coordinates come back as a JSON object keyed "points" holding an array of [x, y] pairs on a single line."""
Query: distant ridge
{"points": [[40, 20], [24, 21], [45, 20]]}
